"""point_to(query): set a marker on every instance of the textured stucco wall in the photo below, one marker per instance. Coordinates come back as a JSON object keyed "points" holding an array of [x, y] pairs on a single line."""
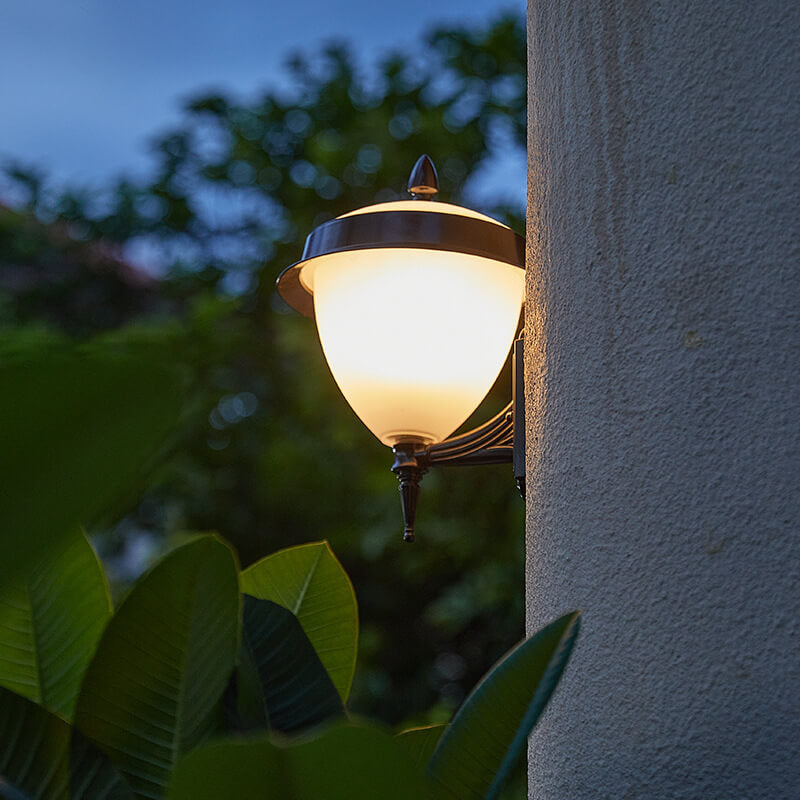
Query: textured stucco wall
{"points": [[662, 361]]}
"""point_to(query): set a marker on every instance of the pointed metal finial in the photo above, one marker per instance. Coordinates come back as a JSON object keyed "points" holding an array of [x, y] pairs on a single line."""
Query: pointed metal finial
{"points": [[423, 182]]}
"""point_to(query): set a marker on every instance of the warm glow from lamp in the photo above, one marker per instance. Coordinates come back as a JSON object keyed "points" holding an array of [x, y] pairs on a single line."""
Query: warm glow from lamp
{"points": [[415, 338]]}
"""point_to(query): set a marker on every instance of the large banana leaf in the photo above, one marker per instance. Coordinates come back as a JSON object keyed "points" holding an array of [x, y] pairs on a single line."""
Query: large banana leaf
{"points": [[78, 426], [42, 758], [488, 735], [281, 681], [310, 582], [345, 763], [152, 689], [50, 622]]}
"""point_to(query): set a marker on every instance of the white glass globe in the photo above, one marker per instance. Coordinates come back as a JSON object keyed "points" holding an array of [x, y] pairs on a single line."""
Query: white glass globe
{"points": [[415, 338]]}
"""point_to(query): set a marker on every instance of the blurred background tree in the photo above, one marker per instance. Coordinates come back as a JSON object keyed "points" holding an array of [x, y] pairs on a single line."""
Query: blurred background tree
{"points": [[268, 453]]}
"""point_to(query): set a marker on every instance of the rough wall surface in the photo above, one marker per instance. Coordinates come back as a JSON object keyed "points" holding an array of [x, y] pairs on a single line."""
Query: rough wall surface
{"points": [[662, 390]]}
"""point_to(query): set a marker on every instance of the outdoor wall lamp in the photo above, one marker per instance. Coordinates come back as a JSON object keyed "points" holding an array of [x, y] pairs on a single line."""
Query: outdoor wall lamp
{"points": [[417, 304]]}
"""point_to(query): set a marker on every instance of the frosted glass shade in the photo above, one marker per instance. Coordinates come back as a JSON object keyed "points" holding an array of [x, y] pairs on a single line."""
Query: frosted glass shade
{"points": [[416, 311], [414, 338]]}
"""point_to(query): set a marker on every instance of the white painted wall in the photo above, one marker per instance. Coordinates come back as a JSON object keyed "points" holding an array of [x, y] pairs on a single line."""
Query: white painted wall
{"points": [[662, 392]]}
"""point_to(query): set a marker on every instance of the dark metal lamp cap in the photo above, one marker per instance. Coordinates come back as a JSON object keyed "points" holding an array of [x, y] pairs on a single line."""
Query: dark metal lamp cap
{"points": [[423, 182], [403, 224]]}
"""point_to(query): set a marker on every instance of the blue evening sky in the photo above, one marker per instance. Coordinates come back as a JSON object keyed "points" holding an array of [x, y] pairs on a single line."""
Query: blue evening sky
{"points": [[84, 84]]}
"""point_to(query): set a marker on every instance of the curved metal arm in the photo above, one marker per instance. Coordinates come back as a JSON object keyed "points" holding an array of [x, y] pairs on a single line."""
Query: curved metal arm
{"points": [[490, 443], [501, 440]]}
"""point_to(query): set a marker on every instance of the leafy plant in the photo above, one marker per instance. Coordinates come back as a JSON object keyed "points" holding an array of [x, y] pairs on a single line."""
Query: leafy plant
{"points": [[309, 581], [50, 623], [79, 425], [498, 716], [345, 762], [281, 677], [186, 659], [470, 758], [43, 758], [152, 689]]}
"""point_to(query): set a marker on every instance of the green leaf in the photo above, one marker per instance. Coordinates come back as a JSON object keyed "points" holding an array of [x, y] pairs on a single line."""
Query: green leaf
{"points": [[50, 623], [421, 742], [489, 733], [41, 757], [152, 690], [292, 689], [311, 583], [34, 749], [346, 762], [77, 426]]}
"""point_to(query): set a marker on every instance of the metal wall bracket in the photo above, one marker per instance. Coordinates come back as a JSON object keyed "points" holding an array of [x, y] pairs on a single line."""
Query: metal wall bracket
{"points": [[501, 440]]}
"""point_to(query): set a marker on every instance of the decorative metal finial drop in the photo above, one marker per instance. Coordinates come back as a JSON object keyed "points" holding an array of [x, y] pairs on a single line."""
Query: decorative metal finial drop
{"points": [[409, 471], [423, 182]]}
